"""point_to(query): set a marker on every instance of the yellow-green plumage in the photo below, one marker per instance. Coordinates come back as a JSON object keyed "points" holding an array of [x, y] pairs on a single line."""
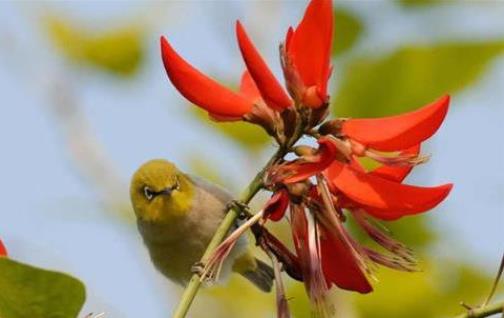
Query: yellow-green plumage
{"points": [[177, 215]]}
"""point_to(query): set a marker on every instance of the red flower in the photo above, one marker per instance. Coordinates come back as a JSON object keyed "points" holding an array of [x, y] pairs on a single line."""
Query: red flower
{"points": [[202, 90], [3, 250], [321, 187], [277, 205], [380, 197], [307, 58], [340, 266], [270, 89], [308, 53], [308, 165], [397, 132]]}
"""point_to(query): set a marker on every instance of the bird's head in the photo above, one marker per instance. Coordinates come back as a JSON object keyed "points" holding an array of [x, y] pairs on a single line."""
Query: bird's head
{"points": [[160, 192]]}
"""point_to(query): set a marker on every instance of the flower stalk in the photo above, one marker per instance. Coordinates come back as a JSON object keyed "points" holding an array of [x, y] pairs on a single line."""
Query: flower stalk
{"points": [[321, 186]]}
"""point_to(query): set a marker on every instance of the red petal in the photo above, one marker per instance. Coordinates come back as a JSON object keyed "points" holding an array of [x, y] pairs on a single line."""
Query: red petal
{"points": [[396, 173], [311, 44], [200, 89], [277, 205], [271, 90], [340, 267], [3, 250], [383, 198], [304, 170], [398, 132], [248, 88]]}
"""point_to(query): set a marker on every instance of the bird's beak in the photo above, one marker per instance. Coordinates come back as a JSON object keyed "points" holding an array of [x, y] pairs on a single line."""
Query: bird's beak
{"points": [[166, 191]]}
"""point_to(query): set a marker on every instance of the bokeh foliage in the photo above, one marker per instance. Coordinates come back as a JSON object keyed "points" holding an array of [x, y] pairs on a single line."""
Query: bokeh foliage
{"points": [[248, 136], [410, 77], [348, 29], [434, 292], [27, 291], [119, 51]]}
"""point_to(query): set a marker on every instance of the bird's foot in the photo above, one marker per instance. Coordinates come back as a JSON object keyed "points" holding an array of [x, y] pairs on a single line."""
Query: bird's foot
{"points": [[240, 206], [198, 268]]}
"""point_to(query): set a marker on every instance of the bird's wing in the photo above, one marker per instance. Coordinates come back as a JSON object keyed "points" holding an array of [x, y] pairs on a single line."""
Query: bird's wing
{"points": [[218, 192]]}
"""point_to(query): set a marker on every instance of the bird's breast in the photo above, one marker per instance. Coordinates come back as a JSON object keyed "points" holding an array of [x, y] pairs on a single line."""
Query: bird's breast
{"points": [[176, 246]]}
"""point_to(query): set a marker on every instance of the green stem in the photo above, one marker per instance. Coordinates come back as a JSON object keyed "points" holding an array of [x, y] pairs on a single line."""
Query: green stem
{"points": [[252, 189], [255, 185], [485, 311]]}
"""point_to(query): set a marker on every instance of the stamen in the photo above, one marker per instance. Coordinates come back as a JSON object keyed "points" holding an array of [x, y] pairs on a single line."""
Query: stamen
{"points": [[400, 160], [281, 300], [213, 266], [393, 262], [382, 238], [318, 288]]}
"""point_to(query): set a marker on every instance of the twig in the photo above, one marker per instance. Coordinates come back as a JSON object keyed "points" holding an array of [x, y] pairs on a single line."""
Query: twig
{"points": [[496, 282], [484, 311]]}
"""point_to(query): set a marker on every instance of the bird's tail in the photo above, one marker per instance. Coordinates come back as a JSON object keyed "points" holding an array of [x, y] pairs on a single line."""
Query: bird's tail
{"points": [[262, 275]]}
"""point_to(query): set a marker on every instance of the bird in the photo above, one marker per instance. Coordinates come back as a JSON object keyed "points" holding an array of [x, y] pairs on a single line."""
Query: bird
{"points": [[177, 215]]}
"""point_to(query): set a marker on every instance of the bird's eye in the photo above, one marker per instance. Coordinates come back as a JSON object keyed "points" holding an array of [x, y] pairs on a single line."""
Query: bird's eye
{"points": [[149, 194]]}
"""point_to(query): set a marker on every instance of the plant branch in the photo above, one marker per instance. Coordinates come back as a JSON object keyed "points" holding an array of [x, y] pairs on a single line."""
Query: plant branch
{"points": [[485, 311], [252, 189]]}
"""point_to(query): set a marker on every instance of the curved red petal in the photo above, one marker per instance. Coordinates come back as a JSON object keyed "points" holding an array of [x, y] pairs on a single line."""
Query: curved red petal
{"points": [[271, 90], [3, 250], [303, 170], [398, 132], [248, 88], [277, 205], [340, 267], [200, 89], [383, 198], [396, 173], [310, 45]]}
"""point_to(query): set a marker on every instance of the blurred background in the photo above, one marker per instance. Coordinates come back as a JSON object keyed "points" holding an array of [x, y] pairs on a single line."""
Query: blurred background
{"points": [[85, 101]]}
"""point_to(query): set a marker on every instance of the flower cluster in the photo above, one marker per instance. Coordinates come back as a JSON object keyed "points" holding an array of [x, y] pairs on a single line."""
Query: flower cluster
{"points": [[322, 186]]}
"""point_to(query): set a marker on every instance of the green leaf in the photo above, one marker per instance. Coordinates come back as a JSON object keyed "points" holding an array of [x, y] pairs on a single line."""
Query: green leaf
{"points": [[118, 51], [348, 29], [26, 291], [410, 77], [251, 137]]}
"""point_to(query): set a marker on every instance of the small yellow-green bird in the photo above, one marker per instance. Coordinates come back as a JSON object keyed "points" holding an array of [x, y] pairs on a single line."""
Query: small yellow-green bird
{"points": [[177, 215]]}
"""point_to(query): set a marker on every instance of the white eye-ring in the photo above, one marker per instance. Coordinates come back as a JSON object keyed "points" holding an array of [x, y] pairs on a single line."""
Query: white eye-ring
{"points": [[149, 194]]}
